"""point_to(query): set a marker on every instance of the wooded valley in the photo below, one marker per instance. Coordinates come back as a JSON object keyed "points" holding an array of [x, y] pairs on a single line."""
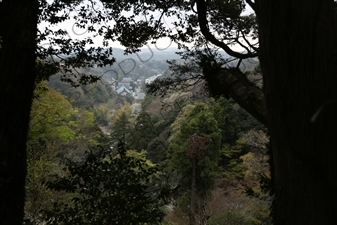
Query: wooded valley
{"points": [[198, 158], [207, 137]]}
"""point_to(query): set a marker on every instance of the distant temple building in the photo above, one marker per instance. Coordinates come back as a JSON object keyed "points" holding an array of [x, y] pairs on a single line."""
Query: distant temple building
{"points": [[128, 87], [126, 83], [123, 91]]}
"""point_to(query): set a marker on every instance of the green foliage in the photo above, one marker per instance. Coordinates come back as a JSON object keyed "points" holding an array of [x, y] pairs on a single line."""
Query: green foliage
{"points": [[101, 115], [74, 53], [182, 116], [200, 121], [58, 132], [54, 119], [227, 118], [142, 133], [157, 150], [37, 194], [50, 118], [231, 161], [125, 28], [85, 96], [247, 121], [121, 124], [109, 188]]}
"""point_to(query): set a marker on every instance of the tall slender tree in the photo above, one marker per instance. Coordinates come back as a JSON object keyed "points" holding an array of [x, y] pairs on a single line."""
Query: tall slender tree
{"points": [[194, 151]]}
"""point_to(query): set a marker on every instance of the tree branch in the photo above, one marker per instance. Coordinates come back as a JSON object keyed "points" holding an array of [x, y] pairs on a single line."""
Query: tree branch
{"points": [[242, 45], [233, 83], [246, 40], [203, 24]]}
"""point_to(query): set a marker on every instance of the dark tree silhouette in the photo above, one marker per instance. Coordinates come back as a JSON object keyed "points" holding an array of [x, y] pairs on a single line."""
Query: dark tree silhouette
{"points": [[18, 28], [298, 60]]}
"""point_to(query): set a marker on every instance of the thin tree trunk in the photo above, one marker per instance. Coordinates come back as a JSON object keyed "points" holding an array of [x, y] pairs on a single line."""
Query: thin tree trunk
{"points": [[299, 63], [18, 26], [193, 193]]}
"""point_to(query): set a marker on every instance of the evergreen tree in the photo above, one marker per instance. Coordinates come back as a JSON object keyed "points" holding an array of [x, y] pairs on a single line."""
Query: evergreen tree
{"points": [[121, 124], [121, 128], [142, 133], [194, 151]]}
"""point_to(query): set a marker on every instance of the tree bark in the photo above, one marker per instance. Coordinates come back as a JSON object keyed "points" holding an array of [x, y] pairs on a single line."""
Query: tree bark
{"points": [[18, 29], [299, 64]]}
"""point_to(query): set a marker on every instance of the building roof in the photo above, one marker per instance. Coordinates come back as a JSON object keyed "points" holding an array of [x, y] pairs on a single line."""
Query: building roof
{"points": [[122, 89], [126, 80]]}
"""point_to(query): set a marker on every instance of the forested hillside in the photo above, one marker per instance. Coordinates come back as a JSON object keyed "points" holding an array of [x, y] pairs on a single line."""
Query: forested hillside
{"points": [[203, 159], [93, 167]]}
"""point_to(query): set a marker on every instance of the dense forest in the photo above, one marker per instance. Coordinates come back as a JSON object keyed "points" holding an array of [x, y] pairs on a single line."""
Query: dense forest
{"points": [[205, 159], [91, 134]]}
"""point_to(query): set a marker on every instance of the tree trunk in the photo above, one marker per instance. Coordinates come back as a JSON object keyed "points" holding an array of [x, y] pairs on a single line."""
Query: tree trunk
{"points": [[299, 63], [18, 27], [193, 193]]}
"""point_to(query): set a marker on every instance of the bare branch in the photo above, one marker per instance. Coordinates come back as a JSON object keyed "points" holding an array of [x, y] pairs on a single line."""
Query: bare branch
{"points": [[246, 40], [242, 45], [159, 20], [238, 65]]}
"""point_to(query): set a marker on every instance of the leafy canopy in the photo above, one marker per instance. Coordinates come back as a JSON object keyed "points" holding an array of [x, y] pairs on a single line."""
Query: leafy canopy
{"points": [[108, 188]]}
